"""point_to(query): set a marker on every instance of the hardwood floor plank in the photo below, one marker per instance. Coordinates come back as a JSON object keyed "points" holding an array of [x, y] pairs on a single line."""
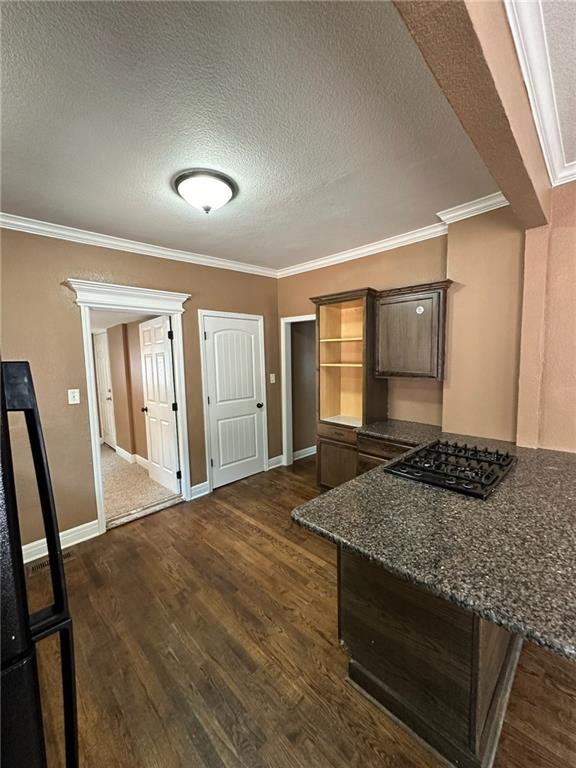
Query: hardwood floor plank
{"points": [[206, 637]]}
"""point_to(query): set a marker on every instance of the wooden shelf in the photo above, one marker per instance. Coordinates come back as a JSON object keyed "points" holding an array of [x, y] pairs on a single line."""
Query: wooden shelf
{"points": [[340, 365], [347, 421], [348, 338]]}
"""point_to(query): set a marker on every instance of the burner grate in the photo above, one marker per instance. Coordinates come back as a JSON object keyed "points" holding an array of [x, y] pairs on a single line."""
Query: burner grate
{"points": [[457, 467]]}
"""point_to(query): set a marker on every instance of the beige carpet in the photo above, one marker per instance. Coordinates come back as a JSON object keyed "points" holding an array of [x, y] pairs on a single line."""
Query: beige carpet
{"points": [[127, 487]]}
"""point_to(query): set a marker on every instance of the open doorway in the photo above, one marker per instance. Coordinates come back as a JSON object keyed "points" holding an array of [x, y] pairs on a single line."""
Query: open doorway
{"points": [[134, 359], [298, 353], [137, 425]]}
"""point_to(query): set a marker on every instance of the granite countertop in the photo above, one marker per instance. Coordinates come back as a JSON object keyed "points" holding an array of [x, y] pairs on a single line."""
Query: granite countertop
{"points": [[406, 432], [510, 559]]}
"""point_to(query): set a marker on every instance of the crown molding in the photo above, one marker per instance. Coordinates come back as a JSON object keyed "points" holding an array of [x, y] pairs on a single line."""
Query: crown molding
{"points": [[415, 236], [526, 22], [44, 228], [450, 215], [473, 208]]}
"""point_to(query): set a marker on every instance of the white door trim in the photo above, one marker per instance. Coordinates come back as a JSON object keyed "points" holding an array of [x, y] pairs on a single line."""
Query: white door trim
{"points": [[203, 313], [93, 295], [286, 382]]}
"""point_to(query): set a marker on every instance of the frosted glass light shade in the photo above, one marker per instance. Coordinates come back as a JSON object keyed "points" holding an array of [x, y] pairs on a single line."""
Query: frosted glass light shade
{"points": [[205, 190]]}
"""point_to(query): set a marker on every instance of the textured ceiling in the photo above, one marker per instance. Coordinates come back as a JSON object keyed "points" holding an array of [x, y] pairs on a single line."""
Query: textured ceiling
{"points": [[101, 319], [324, 113], [560, 26]]}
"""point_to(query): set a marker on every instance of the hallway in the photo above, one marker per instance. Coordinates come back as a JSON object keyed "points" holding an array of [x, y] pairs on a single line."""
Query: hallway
{"points": [[127, 487]]}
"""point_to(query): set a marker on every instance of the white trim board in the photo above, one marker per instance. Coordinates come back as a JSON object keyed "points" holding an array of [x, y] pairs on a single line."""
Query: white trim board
{"points": [[526, 22], [68, 538], [129, 457], [94, 295], [303, 453], [35, 227], [286, 381], [274, 463], [397, 241], [46, 229], [473, 208]]}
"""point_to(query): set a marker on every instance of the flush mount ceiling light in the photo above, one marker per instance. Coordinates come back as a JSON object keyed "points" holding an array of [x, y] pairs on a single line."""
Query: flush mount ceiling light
{"points": [[205, 189]]}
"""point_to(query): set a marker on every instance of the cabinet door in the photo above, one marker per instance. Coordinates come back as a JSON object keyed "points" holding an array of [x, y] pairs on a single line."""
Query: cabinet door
{"points": [[336, 463], [408, 335]]}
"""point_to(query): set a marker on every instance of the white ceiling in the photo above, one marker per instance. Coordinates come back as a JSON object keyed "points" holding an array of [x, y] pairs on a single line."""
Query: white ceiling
{"points": [[102, 319], [544, 33], [560, 26], [324, 113]]}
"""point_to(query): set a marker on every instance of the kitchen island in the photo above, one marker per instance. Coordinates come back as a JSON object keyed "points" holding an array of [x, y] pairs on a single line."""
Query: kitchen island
{"points": [[436, 590]]}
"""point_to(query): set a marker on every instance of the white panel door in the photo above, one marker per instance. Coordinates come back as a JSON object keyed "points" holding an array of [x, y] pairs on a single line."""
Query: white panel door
{"points": [[235, 383], [158, 386], [104, 389]]}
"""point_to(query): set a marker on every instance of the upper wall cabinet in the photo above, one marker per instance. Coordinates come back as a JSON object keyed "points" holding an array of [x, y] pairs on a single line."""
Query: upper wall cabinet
{"points": [[410, 326]]}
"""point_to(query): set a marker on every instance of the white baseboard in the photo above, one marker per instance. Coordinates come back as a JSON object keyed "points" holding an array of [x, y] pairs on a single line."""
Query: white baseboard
{"points": [[275, 462], [68, 538], [200, 489], [304, 452], [141, 461], [129, 457]]}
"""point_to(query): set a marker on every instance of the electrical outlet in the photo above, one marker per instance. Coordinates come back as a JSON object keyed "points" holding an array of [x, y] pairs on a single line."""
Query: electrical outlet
{"points": [[73, 396], [272, 378]]}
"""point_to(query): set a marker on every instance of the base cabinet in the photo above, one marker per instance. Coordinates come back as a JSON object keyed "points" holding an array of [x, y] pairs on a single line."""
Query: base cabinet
{"points": [[444, 672], [336, 463]]}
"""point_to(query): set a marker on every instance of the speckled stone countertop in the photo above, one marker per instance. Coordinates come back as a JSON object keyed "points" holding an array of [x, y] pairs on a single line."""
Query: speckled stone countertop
{"points": [[406, 432], [510, 559]]}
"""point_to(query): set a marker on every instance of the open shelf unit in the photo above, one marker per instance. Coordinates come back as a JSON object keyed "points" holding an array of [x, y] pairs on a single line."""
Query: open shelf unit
{"points": [[341, 361], [348, 395]]}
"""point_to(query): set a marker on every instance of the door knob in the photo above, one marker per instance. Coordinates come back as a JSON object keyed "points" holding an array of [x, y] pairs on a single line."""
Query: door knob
{"points": [[259, 405], [144, 409]]}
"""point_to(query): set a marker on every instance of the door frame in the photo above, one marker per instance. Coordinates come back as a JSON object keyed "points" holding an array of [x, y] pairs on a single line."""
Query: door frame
{"points": [[94, 295], [286, 385], [94, 334], [202, 314]]}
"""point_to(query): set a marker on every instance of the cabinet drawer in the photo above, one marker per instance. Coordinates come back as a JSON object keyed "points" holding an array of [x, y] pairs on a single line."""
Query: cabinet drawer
{"points": [[334, 432], [336, 463], [365, 463], [381, 448]]}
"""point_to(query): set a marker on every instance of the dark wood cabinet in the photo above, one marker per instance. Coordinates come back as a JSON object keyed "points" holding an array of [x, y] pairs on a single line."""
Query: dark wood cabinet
{"points": [[444, 672], [373, 451], [410, 325], [336, 463]]}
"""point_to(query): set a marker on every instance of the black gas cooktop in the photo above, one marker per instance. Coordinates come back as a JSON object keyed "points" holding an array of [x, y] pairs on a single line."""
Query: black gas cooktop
{"points": [[456, 467]]}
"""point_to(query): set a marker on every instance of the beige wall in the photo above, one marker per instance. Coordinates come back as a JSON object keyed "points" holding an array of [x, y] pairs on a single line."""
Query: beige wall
{"points": [[34, 269], [303, 385], [483, 255], [121, 387], [547, 392], [137, 389], [485, 261], [417, 263]]}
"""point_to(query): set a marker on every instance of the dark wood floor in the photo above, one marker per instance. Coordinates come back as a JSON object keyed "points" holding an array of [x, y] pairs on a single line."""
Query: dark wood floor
{"points": [[206, 638]]}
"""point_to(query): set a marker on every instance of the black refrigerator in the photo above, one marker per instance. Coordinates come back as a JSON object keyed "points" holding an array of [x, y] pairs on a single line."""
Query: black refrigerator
{"points": [[22, 733]]}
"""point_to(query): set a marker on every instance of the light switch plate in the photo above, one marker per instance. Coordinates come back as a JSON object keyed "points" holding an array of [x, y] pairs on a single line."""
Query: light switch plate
{"points": [[272, 378], [73, 396]]}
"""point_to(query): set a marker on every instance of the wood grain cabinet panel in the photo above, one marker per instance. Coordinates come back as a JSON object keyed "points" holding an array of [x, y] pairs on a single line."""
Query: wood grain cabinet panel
{"points": [[336, 463], [444, 672], [410, 326]]}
